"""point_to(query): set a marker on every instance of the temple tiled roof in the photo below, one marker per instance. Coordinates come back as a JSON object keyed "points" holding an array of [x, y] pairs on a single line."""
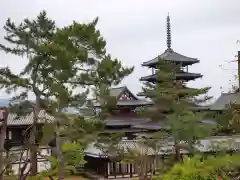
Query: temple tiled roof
{"points": [[170, 55], [151, 125], [166, 147], [125, 122], [13, 120], [143, 123], [138, 102], [224, 100], [124, 130], [134, 101], [117, 92], [180, 75]]}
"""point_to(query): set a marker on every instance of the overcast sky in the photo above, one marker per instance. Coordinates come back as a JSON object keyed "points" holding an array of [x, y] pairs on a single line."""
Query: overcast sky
{"points": [[135, 31]]}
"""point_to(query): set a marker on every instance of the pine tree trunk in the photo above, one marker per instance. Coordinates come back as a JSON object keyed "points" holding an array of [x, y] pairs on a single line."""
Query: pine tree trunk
{"points": [[177, 152], [60, 157], [59, 151], [33, 145], [2, 140], [33, 152]]}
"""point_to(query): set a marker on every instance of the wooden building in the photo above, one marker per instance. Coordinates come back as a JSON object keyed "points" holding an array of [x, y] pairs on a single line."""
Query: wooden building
{"points": [[17, 133], [126, 120]]}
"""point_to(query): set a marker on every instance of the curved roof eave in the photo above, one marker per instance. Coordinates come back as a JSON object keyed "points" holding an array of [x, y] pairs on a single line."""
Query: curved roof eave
{"points": [[172, 56]]}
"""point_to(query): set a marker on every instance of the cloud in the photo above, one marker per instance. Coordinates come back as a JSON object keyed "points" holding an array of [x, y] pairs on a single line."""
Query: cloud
{"points": [[135, 31]]}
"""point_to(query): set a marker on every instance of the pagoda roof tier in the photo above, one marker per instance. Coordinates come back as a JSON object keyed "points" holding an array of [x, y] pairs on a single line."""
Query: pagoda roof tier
{"points": [[150, 125], [179, 76], [185, 88], [170, 55], [224, 101]]}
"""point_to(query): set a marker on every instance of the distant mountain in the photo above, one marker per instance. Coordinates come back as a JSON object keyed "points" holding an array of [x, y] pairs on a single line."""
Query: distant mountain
{"points": [[4, 102]]}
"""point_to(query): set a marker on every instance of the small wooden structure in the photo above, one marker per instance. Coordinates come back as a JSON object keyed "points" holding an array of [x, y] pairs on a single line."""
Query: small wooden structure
{"points": [[17, 133]]}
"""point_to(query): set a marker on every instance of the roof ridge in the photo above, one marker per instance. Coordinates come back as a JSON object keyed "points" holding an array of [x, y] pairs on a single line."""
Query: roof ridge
{"points": [[118, 87], [225, 93]]}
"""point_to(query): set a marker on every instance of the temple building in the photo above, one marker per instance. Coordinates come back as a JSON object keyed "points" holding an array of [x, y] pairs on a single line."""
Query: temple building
{"points": [[16, 138], [225, 99], [125, 119], [170, 55]]}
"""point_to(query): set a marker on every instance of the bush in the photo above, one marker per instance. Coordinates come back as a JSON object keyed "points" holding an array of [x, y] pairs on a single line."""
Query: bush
{"points": [[197, 168]]}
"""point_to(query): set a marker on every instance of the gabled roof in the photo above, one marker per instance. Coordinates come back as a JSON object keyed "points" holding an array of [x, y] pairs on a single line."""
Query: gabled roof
{"points": [[117, 92], [224, 100], [170, 55], [134, 101]]}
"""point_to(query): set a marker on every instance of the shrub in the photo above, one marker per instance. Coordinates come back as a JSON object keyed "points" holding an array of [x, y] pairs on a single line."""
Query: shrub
{"points": [[197, 168]]}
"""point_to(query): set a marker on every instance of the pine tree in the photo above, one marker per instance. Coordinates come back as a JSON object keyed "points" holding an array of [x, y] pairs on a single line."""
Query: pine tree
{"points": [[58, 63], [174, 108], [54, 63], [28, 40], [75, 43]]}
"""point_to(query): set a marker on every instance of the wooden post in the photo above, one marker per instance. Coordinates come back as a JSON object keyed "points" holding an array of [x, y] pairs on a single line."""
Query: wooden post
{"points": [[105, 168], [131, 170], [114, 169], [238, 61], [4, 117]]}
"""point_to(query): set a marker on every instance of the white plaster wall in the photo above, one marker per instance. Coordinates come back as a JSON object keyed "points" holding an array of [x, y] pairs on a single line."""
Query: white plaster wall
{"points": [[43, 164]]}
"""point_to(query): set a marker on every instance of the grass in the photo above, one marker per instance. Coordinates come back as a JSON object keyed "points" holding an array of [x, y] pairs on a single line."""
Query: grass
{"points": [[67, 178], [72, 178]]}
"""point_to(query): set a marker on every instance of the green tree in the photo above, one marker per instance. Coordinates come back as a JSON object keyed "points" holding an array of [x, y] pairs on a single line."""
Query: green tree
{"points": [[54, 67], [28, 39], [145, 154], [57, 64], [175, 108], [76, 42]]}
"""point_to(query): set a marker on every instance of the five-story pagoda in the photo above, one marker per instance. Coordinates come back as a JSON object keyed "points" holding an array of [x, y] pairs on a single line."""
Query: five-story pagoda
{"points": [[170, 55]]}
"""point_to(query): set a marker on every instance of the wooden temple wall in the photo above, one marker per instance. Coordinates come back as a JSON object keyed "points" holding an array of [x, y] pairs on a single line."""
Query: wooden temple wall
{"points": [[112, 169]]}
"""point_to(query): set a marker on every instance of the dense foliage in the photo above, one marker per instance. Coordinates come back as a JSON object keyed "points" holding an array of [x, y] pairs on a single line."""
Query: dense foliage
{"points": [[175, 108], [60, 73], [198, 168]]}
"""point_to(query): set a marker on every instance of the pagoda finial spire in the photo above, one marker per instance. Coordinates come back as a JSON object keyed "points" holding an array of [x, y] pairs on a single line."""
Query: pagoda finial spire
{"points": [[169, 40]]}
